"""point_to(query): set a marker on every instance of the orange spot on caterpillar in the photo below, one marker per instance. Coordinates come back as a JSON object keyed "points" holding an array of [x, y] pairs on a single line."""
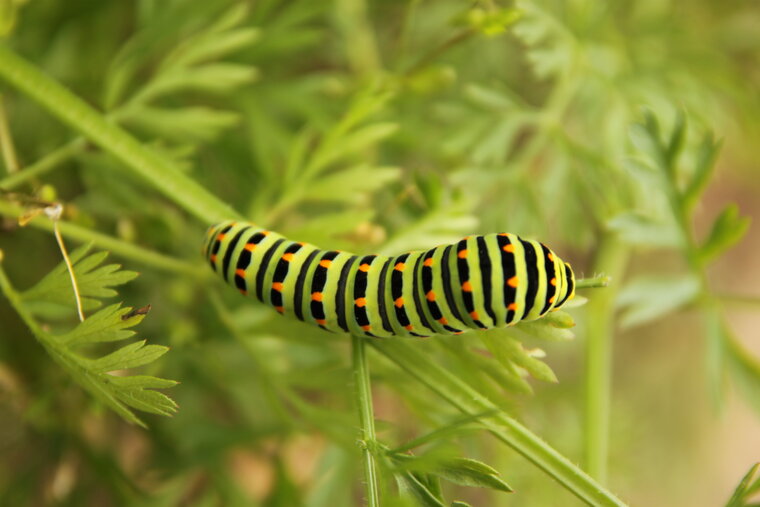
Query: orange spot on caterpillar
{"points": [[277, 286], [551, 299], [462, 254], [443, 321], [503, 234], [250, 247], [321, 322], [467, 286], [399, 302], [240, 273], [220, 236], [366, 328], [243, 292], [280, 309], [550, 257], [512, 282], [409, 327], [360, 302], [325, 263], [265, 233], [474, 315], [512, 306], [364, 267], [428, 262], [316, 296], [553, 281], [301, 243], [510, 248], [287, 257], [399, 266], [213, 258], [430, 296]]}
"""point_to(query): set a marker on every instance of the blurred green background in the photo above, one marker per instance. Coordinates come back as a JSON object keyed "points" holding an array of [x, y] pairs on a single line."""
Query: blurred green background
{"points": [[382, 126]]}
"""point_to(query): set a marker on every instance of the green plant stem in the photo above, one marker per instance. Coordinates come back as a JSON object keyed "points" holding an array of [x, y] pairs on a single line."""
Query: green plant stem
{"points": [[612, 258], [143, 161], [366, 417], [15, 299], [45, 164], [506, 429], [122, 248], [48, 342], [51, 345], [7, 149], [439, 50], [593, 283]]}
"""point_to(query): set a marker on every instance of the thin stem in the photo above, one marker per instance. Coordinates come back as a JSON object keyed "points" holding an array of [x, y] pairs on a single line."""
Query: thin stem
{"points": [[437, 51], [14, 298], [596, 282], [67, 260], [612, 258], [6, 142], [506, 429], [366, 417], [45, 164], [147, 163], [114, 245]]}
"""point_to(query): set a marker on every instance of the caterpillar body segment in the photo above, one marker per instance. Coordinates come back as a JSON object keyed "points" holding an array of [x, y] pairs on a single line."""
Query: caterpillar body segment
{"points": [[479, 282]]}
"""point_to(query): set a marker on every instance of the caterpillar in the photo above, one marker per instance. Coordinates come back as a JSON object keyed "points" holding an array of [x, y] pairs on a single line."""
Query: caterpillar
{"points": [[480, 282]]}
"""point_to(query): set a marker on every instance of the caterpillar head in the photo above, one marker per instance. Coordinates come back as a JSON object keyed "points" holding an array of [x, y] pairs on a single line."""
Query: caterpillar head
{"points": [[568, 288]]}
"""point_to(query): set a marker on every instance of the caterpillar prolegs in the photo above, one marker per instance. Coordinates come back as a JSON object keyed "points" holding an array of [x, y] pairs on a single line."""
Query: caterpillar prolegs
{"points": [[480, 282]]}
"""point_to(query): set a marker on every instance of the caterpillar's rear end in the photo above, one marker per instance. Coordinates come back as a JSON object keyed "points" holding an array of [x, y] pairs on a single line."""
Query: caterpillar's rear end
{"points": [[479, 282]]}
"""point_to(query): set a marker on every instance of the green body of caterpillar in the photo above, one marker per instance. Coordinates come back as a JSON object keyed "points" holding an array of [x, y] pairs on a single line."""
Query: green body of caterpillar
{"points": [[479, 282]]}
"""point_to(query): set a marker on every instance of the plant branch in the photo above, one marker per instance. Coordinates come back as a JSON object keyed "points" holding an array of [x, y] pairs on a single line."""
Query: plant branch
{"points": [[366, 417], [506, 429], [596, 282], [143, 161], [45, 164], [612, 258], [122, 248], [48, 342], [7, 149]]}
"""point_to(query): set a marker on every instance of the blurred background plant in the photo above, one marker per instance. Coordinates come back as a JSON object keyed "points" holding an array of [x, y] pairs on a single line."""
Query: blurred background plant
{"points": [[623, 135]]}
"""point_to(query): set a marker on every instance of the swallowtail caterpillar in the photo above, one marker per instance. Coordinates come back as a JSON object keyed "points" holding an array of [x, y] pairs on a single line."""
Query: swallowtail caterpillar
{"points": [[480, 282]]}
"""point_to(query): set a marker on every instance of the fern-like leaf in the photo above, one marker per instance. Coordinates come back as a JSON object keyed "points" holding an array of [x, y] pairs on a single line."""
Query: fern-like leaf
{"points": [[93, 279], [73, 349]]}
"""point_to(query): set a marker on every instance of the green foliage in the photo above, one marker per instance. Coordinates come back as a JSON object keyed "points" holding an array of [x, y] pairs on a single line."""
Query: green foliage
{"points": [[93, 280], [747, 487], [648, 298], [379, 127], [96, 374]]}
